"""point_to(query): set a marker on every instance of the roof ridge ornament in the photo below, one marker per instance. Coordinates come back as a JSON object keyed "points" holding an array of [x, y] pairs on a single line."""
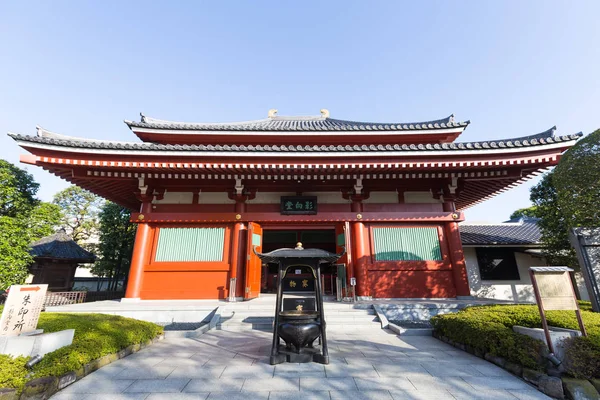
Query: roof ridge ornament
{"points": [[272, 113], [142, 117], [324, 113], [451, 118]]}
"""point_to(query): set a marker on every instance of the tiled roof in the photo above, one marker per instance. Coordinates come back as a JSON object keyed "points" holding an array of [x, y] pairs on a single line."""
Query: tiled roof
{"points": [[60, 246], [46, 137], [523, 231], [316, 123]]}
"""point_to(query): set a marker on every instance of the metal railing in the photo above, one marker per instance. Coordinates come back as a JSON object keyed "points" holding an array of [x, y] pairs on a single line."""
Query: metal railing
{"points": [[62, 298]]}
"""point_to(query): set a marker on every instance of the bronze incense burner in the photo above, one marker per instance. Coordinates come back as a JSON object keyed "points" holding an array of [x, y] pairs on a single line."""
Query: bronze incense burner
{"points": [[299, 327]]}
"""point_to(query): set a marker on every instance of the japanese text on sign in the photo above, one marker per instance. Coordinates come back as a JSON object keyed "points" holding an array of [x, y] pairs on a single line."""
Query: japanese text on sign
{"points": [[22, 309], [298, 205]]}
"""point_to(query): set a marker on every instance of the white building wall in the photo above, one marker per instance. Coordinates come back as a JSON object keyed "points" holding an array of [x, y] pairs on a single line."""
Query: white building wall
{"points": [[518, 291]]}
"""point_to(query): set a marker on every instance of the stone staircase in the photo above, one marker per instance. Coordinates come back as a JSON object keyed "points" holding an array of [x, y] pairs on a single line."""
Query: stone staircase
{"points": [[340, 317]]}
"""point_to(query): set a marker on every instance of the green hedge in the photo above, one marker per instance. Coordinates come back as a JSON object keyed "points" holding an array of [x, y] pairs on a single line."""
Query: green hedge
{"points": [[96, 335], [489, 330]]}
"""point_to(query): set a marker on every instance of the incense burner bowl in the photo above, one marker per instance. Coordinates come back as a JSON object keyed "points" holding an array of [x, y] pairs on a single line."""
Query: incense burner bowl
{"points": [[299, 328]]}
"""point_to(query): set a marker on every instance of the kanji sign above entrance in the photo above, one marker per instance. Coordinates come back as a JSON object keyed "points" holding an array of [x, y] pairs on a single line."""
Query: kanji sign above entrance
{"points": [[22, 309], [298, 205]]}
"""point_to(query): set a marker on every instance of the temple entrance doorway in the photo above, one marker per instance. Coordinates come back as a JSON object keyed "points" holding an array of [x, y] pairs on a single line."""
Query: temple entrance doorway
{"points": [[316, 237]]}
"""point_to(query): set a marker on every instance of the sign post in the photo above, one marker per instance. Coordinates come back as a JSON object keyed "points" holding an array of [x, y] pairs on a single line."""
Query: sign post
{"points": [[554, 291], [22, 309]]}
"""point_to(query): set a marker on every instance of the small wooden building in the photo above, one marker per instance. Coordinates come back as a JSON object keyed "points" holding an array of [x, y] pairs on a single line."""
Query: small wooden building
{"points": [[204, 194], [56, 257]]}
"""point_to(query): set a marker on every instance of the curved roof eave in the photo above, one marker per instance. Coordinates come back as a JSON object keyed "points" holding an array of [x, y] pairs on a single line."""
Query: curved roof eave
{"points": [[71, 144], [293, 124]]}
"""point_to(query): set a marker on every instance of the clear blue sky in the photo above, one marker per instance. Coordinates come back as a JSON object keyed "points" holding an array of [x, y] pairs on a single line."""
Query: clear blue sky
{"points": [[513, 68]]}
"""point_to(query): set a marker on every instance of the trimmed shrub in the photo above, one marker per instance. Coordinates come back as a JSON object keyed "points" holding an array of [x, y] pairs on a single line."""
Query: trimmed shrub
{"points": [[96, 335], [492, 337], [13, 373], [489, 330], [582, 358]]}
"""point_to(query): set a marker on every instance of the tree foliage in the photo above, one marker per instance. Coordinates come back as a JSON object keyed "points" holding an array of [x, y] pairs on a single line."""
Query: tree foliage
{"points": [[569, 197], [80, 210], [525, 212], [117, 236], [577, 182], [553, 226], [23, 219], [18, 190]]}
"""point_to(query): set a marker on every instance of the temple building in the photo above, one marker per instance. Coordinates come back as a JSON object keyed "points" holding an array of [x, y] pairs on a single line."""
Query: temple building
{"points": [[206, 194]]}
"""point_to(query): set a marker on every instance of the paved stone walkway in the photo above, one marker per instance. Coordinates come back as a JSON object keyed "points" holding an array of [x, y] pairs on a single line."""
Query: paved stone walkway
{"points": [[365, 365]]}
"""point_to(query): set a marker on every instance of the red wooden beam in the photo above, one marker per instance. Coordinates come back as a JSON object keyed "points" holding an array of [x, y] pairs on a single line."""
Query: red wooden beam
{"points": [[293, 219]]}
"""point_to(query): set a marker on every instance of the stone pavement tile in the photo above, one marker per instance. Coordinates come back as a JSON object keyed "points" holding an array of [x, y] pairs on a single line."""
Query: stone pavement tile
{"points": [[341, 370], [401, 369], [439, 383], [262, 360], [445, 368], [68, 396], [273, 384], [214, 385], [496, 382], [181, 362], [177, 396], [132, 360], [475, 394], [157, 386], [146, 373], [368, 361], [213, 354], [460, 357], [421, 395], [363, 395], [308, 384], [242, 371], [425, 343], [489, 369], [111, 371], [120, 396], [314, 395], [300, 374], [239, 395], [531, 394], [171, 353], [399, 383], [217, 360], [197, 372], [90, 384], [299, 367]]}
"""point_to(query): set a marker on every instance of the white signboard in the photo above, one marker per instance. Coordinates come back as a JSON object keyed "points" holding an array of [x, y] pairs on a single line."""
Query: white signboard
{"points": [[22, 309]]}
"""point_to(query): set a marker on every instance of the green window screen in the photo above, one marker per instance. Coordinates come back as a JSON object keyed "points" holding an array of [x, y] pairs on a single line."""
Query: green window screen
{"points": [[256, 239], [341, 239], [406, 244], [190, 244]]}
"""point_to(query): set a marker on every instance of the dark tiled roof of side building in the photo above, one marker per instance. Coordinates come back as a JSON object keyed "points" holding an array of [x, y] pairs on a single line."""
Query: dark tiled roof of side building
{"points": [[60, 246], [50, 138], [523, 231], [291, 123]]}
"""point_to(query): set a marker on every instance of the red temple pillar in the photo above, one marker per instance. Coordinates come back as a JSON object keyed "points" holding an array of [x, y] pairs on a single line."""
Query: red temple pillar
{"points": [[237, 249], [140, 256], [360, 251], [457, 257]]}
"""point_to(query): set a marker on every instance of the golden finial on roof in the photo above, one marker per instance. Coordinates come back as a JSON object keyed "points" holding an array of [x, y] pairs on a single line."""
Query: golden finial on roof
{"points": [[324, 113], [272, 113], [299, 246]]}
